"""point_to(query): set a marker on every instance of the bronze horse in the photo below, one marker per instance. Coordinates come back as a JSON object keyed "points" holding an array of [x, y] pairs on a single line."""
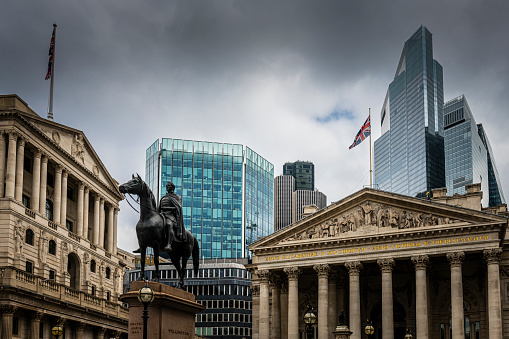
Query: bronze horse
{"points": [[150, 233]]}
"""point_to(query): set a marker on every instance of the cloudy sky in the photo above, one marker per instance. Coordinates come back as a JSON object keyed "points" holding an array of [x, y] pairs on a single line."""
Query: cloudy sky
{"points": [[293, 80]]}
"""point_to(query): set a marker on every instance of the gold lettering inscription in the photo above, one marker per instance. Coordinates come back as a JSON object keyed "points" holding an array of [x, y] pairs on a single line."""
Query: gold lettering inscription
{"points": [[378, 248]]}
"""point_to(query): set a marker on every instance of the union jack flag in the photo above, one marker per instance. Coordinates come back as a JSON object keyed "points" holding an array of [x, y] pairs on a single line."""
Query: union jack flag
{"points": [[364, 132], [51, 51]]}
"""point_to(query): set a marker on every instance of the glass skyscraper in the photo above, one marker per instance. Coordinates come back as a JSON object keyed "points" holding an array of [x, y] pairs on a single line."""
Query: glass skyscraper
{"points": [[409, 156], [227, 192], [495, 187], [303, 172]]}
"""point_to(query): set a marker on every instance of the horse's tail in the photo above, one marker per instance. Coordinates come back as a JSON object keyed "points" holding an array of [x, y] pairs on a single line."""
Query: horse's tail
{"points": [[196, 256]]}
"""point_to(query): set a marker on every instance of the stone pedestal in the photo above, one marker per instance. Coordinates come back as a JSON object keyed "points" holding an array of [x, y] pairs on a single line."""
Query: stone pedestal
{"points": [[342, 332], [171, 315]]}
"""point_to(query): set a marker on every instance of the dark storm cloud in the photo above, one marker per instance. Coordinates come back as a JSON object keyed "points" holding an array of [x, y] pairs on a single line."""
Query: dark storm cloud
{"points": [[290, 79]]}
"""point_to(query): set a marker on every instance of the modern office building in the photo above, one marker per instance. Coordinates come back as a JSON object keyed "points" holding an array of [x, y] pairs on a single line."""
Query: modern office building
{"points": [[222, 287], [59, 260], [301, 198], [303, 172], [284, 186], [496, 195], [466, 157], [226, 189], [409, 156]]}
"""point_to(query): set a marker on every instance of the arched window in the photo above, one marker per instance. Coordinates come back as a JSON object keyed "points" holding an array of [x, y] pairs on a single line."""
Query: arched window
{"points": [[29, 237], [108, 272], [49, 210], [92, 266], [52, 248]]}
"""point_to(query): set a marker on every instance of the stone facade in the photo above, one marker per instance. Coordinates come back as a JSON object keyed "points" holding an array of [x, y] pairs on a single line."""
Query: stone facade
{"points": [[58, 224], [439, 270]]}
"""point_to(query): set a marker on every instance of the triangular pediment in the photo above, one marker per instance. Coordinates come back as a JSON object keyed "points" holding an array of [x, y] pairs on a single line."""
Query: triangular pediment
{"points": [[372, 212], [75, 145]]}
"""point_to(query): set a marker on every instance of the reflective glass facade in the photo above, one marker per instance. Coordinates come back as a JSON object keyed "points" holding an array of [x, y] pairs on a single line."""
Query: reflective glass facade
{"points": [[303, 172], [409, 156], [227, 192], [466, 157]]}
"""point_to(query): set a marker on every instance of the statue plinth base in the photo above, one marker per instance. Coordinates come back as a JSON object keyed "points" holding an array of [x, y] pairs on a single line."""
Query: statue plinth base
{"points": [[342, 332], [171, 315]]}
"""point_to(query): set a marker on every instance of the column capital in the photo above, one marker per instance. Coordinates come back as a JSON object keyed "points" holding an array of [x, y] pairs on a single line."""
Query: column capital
{"points": [[13, 135], [354, 267], [97, 197], [22, 141], [322, 270], [264, 275], [81, 186], [102, 330], [37, 316], [80, 326], [255, 290], [58, 168], [65, 173], [456, 258], [420, 261], [37, 152], [292, 272], [386, 264], [86, 190], [8, 309], [492, 255]]}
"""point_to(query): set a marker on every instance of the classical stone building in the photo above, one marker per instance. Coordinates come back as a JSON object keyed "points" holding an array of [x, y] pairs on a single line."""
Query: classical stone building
{"points": [[58, 225], [438, 268]]}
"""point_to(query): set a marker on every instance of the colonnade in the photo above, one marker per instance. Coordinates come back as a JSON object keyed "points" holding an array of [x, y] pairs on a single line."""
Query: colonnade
{"points": [[12, 172], [285, 304]]}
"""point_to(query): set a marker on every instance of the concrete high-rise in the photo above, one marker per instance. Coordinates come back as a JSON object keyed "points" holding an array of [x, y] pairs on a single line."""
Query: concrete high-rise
{"points": [[303, 172], [227, 192], [301, 198], [468, 155], [409, 156]]}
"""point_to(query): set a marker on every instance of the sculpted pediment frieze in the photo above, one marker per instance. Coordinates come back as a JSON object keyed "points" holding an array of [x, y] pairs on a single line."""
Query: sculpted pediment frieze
{"points": [[370, 217]]}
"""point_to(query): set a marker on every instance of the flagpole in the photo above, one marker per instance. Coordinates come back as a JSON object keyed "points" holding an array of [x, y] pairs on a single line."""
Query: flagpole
{"points": [[370, 162], [50, 111]]}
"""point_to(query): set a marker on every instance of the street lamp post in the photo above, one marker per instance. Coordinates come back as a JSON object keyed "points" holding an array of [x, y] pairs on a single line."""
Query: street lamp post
{"points": [[145, 296], [57, 331], [310, 319], [369, 329]]}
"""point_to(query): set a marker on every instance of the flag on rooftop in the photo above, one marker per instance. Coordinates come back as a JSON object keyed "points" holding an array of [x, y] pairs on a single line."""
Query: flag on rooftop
{"points": [[364, 132], [51, 51]]}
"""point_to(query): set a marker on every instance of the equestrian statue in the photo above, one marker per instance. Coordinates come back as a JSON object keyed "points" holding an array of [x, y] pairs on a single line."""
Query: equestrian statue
{"points": [[162, 228]]}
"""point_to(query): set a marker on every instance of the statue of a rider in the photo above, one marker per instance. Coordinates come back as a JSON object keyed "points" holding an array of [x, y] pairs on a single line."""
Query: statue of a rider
{"points": [[170, 208]]}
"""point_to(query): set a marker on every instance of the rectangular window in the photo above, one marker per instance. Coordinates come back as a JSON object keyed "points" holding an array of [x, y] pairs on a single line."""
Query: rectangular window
{"points": [[29, 267], [27, 164], [69, 225], [51, 275], [70, 193], [25, 201], [93, 290]]}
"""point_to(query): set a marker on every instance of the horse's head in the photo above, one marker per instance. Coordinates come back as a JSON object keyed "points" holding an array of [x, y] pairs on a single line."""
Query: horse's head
{"points": [[135, 186]]}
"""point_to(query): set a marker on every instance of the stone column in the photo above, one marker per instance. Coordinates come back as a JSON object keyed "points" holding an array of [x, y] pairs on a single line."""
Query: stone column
{"points": [[3, 160], [333, 308], [63, 210], [20, 159], [96, 219], [115, 220], [44, 182], [10, 174], [101, 223], [35, 323], [293, 301], [86, 201], [255, 293], [275, 285], [457, 315], [101, 333], [264, 303], [7, 315], [354, 269], [110, 229], [322, 271], [421, 296], [492, 257], [79, 209], [284, 309], [57, 195], [36, 181], [386, 266], [79, 330]]}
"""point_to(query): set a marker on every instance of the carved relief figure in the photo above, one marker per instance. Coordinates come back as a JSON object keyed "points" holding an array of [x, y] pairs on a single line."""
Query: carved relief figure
{"points": [[351, 223], [78, 148], [19, 236], [43, 247], [394, 221], [65, 253], [86, 266], [368, 210]]}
